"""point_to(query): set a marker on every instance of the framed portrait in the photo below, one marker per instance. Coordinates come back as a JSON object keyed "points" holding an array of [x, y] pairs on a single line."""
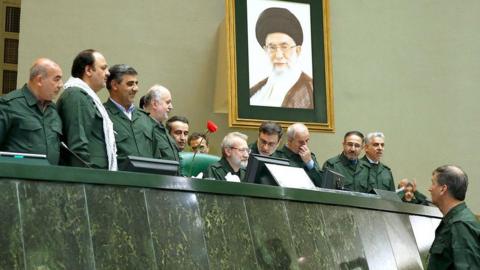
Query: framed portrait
{"points": [[279, 63]]}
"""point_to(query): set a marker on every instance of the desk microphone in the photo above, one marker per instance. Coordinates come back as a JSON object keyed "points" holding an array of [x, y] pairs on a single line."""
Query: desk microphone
{"points": [[75, 155]]}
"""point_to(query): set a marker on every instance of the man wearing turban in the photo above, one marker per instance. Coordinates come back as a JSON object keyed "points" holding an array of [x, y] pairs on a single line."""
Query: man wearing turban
{"points": [[279, 32]]}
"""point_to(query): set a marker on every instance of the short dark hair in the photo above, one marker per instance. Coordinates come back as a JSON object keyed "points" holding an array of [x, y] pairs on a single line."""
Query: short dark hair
{"points": [[195, 136], [455, 179], [354, 132], [83, 59], [117, 72], [271, 128], [175, 118], [141, 103]]}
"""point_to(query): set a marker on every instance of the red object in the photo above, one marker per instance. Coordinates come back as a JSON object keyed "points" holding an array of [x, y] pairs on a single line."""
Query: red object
{"points": [[211, 126]]}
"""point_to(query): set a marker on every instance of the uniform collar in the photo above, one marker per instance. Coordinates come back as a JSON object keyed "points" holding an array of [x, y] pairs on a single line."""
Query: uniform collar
{"points": [[454, 211]]}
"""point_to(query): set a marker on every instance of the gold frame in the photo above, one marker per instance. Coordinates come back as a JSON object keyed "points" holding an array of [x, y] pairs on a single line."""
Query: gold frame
{"points": [[234, 120]]}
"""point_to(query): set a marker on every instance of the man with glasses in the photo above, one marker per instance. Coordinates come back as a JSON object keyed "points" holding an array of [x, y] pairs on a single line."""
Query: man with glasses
{"points": [[234, 159], [280, 34], [380, 175], [348, 163], [269, 135], [297, 152]]}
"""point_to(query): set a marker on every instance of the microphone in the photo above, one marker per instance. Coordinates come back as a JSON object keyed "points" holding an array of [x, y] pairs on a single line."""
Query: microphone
{"points": [[75, 155]]}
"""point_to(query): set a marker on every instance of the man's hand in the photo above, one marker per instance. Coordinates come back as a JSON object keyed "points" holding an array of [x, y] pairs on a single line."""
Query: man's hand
{"points": [[305, 154]]}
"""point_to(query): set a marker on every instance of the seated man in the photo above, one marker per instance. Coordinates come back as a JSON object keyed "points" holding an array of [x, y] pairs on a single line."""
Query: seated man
{"points": [[177, 127], [158, 102], [348, 164], [380, 175], [134, 129], [198, 142], [234, 159], [408, 192], [29, 122], [269, 135], [297, 152]]}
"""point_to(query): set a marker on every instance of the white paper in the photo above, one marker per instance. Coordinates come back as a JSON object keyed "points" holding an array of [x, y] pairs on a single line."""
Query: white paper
{"points": [[291, 177]]}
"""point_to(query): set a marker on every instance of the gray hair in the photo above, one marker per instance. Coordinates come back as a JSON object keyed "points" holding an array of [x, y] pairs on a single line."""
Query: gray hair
{"points": [[155, 92], [38, 69], [455, 179], [294, 128], [228, 140], [371, 135]]}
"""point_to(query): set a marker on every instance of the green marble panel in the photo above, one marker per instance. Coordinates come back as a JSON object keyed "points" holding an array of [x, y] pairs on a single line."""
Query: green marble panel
{"points": [[271, 234], [177, 230], [119, 227], [344, 238], [376, 243], [227, 232], [55, 226], [403, 241], [309, 237], [11, 251]]}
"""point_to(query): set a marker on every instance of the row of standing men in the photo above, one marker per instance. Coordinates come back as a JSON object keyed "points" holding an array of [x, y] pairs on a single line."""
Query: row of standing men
{"points": [[30, 122]]}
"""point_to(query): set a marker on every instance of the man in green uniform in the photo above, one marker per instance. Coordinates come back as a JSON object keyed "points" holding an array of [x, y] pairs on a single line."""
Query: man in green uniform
{"points": [[134, 129], [297, 152], [178, 129], [234, 159], [158, 102], [349, 165], [380, 175], [29, 122], [269, 135], [457, 238], [87, 128]]}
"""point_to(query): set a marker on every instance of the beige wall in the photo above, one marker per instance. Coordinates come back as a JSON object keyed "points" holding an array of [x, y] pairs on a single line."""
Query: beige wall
{"points": [[409, 68]]}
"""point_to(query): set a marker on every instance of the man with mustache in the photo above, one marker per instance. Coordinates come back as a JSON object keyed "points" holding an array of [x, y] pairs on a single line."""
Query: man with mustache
{"points": [[348, 163], [158, 103], [232, 165], [280, 34], [87, 128], [380, 175], [134, 129], [29, 122], [178, 128]]}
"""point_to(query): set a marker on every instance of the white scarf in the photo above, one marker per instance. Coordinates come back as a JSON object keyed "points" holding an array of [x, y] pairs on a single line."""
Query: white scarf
{"points": [[107, 123]]}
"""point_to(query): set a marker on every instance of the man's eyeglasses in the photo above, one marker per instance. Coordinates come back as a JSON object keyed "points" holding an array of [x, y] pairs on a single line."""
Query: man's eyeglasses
{"points": [[269, 144], [284, 47], [242, 150]]}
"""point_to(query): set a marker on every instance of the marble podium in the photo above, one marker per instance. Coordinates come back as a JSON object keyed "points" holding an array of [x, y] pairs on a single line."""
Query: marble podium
{"points": [[56, 217]]}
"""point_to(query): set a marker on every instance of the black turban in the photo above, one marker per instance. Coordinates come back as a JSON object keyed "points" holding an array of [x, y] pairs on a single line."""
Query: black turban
{"points": [[281, 20]]}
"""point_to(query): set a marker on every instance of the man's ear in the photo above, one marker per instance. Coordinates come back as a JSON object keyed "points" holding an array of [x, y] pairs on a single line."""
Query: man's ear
{"points": [[298, 49], [228, 151], [88, 70]]}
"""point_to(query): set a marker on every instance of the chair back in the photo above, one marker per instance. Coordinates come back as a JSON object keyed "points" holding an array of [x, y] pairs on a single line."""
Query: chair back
{"points": [[192, 167]]}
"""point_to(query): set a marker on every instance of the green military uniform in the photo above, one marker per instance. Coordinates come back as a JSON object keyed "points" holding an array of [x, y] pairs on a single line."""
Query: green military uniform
{"points": [[457, 241], [356, 175], [220, 169], [26, 128], [166, 147], [134, 137], [82, 129], [315, 173], [380, 176]]}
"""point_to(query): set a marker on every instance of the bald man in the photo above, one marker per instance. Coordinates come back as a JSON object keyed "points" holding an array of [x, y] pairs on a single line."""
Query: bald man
{"points": [[158, 102], [29, 122], [297, 152]]}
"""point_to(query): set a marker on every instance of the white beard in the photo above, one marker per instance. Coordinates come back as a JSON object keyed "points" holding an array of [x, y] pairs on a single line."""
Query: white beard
{"points": [[280, 81]]}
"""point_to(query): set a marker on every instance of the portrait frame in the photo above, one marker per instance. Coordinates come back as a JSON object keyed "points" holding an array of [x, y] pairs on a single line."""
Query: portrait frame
{"points": [[244, 115]]}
